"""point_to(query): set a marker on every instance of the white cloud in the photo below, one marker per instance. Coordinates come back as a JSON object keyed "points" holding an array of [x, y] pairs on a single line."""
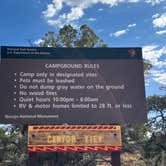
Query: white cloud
{"points": [[133, 1], [156, 15], [131, 25], [91, 19], [60, 23], [101, 9], [38, 41], [160, 22], [50, 12], [77, 9], [69, 18], [119, 33], [154, 54], [161, 32], [53, 8], [159, 76], [75, 14], [154, 2], [161, 64], [123, 31]]}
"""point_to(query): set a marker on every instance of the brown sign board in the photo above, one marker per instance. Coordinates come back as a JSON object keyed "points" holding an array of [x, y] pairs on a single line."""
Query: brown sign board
{"points": [[72, 85], [78, 138]]}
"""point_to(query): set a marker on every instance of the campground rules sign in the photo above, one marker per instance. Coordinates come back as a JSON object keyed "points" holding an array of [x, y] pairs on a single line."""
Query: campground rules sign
{"points": [[72, 85]]}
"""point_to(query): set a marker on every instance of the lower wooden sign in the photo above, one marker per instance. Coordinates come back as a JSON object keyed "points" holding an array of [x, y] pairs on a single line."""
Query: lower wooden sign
{"points": [[74, 138]]}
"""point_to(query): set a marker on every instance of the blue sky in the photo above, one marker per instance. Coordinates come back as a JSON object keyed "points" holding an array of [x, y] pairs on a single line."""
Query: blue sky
{"points": [[120, 23]]}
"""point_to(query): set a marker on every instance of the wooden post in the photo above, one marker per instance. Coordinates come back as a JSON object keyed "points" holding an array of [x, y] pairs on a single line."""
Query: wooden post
{"points": [[32, 159], [115, 156]]}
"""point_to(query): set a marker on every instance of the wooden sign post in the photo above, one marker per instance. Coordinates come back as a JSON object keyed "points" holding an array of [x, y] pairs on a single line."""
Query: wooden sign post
{"points": [[76, 138], [32, 159]]}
